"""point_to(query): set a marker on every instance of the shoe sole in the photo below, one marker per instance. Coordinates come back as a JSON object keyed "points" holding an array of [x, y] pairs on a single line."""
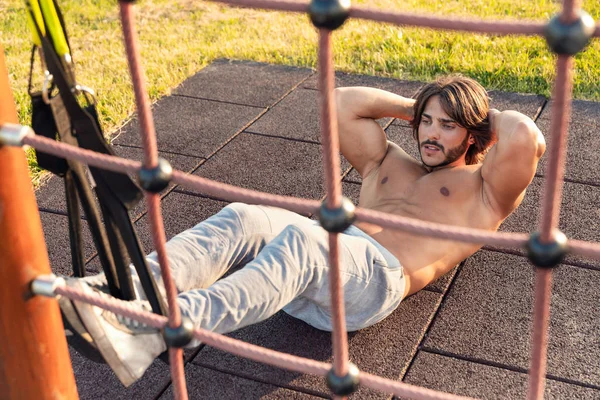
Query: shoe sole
{"points": [[96, 330]]}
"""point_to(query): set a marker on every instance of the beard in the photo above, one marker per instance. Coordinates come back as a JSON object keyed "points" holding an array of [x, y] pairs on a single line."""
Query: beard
{"points": [[451, 156]]}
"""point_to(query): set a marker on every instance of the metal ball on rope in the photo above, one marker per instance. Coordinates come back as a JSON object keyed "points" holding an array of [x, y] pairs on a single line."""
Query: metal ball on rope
{"points": [[180, 336], [156, 179], [549, 254], [339, 219], [344, 385], [569, 38], [329, 14]]}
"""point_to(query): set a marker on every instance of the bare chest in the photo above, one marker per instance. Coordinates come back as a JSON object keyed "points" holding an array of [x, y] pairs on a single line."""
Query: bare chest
{"points": [[451, 197]]}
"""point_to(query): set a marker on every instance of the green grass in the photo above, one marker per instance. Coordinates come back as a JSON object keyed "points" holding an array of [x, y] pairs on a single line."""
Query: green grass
{"points": [[179, 38]]}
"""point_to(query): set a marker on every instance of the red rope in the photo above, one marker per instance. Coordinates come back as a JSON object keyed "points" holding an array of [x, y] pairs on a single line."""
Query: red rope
{"points": [[561, 108], [253, 352], [552, 196], [569, 10], [551, 199], [331, 164], [541, 311], [138, 79], [233, 193], [329, 129], [458, 24], [148, 135], [550, 216], [455, 24], [303, 206]]}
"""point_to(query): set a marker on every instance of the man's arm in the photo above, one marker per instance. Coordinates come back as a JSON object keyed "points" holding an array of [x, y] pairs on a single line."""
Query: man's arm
{"points": [[362, 141], [510, 165]]}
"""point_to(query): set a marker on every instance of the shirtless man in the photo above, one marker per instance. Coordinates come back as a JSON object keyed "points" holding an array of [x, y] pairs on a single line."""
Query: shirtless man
{"points": [[285, 256], [449, 121]]}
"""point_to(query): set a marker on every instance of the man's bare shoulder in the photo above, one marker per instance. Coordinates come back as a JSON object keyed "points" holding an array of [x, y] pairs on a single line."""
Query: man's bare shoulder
{"points": [[510, 165], [397, 157]]}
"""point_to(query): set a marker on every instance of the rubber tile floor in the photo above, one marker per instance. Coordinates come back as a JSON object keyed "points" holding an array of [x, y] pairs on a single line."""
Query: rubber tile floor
{"points": [[256, 126]]}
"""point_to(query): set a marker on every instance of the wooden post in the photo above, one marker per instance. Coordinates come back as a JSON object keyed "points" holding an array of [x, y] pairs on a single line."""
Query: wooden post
{"points": [[34, 357]]}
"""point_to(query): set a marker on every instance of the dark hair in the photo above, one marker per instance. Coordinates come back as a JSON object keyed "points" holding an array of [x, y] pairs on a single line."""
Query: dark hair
{"points": [[467, 103]]}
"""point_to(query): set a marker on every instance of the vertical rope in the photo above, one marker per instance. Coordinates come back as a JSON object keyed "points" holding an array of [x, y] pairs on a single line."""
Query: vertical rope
{"points": [[148, 135], [329, 128], [541, 312], [331, 162], [569, 9], [550, 215], [159, 239], [561, 110], [138, 79]]}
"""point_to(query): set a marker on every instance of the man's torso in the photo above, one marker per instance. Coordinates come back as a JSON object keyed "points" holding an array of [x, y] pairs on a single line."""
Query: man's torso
{"points": [[452, 196]]}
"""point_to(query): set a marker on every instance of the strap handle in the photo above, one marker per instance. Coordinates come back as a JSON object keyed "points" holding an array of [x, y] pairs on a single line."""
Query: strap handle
{"points": [[117, 193]]}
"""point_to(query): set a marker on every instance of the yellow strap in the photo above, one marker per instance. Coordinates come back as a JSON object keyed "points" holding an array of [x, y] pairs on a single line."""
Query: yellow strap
{"points": [[54, 27], [35, 9]]}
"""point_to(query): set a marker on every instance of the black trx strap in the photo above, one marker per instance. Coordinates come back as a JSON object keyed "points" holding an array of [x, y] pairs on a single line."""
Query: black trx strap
{"points": [[116, 240]]}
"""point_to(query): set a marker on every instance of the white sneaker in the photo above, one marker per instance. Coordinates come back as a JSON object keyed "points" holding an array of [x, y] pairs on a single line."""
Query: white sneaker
{"points": [[77, 335], [128, 346]]}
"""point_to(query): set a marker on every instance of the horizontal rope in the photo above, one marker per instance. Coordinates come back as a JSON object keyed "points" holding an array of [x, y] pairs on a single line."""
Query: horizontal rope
{"points": [[233, 193], [449, 23], [407, 224], [527, 28], [250, 351]]}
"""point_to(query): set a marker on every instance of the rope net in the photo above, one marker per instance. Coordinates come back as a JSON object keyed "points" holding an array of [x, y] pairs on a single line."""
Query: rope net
{"points": [[330, 146]]}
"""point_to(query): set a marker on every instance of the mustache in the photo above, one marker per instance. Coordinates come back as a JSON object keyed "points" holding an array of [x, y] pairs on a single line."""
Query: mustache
{"points": [[433, 143]]}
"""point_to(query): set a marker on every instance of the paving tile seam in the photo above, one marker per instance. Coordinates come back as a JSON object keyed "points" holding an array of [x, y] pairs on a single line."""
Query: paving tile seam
{"points": [[55, 212], [541, 109], [174, 153], [344, 175], [401, 123], [187, 96], [293, 88], [118, 130], [90, 260], [255, 379], [432, 319], [572, 180], [177, 189], [507, 367], [289, 139], [227, 141], [134, 219], [433, 290], [201, 195], [187, 360], [584, 124], [412, 96], [164, 389], [575, 264], [386, 126]]}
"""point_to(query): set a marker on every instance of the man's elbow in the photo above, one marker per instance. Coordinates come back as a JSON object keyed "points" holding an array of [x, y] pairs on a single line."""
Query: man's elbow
{"points": [[541, 142], [528, 138], [340, 96]]}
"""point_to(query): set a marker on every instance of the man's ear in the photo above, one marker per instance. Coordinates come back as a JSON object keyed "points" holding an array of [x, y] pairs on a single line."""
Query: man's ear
{"points": [[471, 139]]}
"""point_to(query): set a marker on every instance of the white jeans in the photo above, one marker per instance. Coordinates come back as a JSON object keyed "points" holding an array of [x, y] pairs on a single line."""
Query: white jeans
{"points": [[285, 266]]}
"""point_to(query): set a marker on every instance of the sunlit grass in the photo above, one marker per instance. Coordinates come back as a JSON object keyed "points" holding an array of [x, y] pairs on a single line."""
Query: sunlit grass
{"points": [[179, 38]]}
